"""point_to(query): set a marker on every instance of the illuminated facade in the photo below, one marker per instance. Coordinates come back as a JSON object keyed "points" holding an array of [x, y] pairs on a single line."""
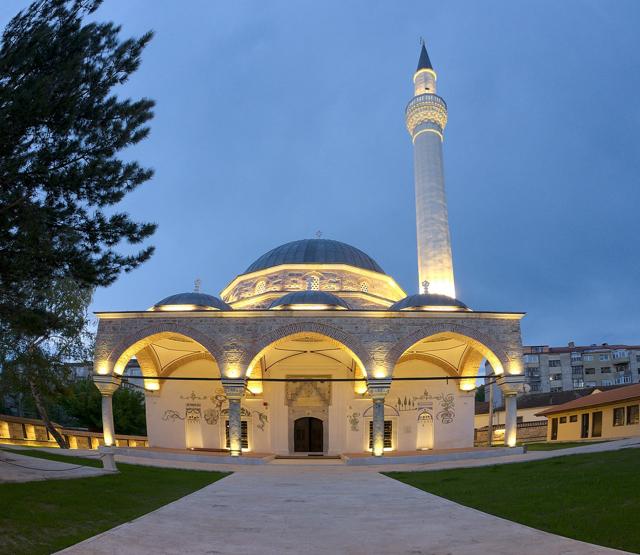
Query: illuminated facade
{"points": [[315, 349]]}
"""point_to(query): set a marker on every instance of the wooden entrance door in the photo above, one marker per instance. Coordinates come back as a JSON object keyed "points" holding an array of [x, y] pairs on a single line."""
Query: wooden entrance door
{"points": [[308, 435]]}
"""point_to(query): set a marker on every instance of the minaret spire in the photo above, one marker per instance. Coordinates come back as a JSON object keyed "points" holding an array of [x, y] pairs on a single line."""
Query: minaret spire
{"points": [[426, 117], [424, 62]]}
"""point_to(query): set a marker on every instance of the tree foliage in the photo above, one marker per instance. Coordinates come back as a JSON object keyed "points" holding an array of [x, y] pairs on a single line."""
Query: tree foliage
{"points": [[62, 130], [83, 403]]}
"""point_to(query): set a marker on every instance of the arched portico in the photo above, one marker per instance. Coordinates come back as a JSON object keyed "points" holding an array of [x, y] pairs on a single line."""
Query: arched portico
{"points": [[303, 375], [337, 335], [476, 340], [161, 352]]}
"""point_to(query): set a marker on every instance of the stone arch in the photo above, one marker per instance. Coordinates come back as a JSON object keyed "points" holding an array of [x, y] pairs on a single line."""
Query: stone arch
{"points": [[344, 339], [488, 347], [131, 344]]}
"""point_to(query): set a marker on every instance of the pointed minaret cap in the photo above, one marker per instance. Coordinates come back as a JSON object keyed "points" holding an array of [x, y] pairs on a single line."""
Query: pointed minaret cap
{"points": [[424, 62]]}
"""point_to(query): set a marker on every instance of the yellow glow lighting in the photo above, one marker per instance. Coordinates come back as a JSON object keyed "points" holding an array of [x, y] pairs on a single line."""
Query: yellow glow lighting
{"points": [[309, 307], [427, 131], [179, 308], [379, 373], [425, 70], [319, 267], [102, 367]]}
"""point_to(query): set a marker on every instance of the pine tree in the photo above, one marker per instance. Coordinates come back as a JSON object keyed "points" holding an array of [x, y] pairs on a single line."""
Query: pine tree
{"points": [[63, 130]]}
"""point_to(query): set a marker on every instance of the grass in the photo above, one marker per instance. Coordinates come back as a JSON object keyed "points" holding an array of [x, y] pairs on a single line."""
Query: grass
{"points": [[559, 445], [43, 517], [591, 497]]}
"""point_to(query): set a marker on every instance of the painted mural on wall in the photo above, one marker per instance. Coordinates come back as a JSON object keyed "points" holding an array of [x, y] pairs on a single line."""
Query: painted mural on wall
{"points": [[354, 421], [446, 402], [193, 412]]}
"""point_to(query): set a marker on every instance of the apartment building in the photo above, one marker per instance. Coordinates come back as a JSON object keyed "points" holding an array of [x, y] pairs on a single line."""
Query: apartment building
{"points": [[553, 369]]}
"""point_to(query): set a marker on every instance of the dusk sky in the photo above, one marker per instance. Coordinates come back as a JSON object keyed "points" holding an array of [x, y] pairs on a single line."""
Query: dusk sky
{"points": [[278, 119]]}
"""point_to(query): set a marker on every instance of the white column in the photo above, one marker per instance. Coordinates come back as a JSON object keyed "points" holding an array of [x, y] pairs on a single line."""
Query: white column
{"points": [[234, 390], [107, 384], [378, 390], [511, 420]]}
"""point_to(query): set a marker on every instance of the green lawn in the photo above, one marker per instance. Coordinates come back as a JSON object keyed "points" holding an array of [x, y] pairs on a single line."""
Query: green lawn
{"points": [[552, 446], [593, 497], [43, 517]]}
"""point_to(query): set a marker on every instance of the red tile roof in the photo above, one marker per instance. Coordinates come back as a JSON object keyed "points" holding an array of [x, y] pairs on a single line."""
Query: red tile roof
{"points": [[603, 398]]}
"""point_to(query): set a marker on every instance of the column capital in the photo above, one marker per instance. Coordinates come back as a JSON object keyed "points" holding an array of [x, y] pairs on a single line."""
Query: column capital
{"points": [[234, 388], [107, 384], [378, 388], [511, 384]]}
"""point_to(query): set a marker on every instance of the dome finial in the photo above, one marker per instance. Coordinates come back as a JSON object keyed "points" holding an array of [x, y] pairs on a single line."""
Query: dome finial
{"points": [[318, 234], [424, 62], [196, 285]]}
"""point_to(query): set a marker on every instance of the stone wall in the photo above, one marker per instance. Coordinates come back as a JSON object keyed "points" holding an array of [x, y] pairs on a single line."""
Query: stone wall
{"points": [[378, 339]]}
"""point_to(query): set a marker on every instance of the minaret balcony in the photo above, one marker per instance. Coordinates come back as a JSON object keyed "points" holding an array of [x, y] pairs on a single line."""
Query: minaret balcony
{"points": [[426, 108]]}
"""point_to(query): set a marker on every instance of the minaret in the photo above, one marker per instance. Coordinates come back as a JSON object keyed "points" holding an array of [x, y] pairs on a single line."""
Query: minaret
{"points": [[426, 117]]}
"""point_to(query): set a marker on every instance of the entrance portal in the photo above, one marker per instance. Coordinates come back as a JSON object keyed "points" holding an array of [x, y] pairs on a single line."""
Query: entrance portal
{"points": [[308, 435]]}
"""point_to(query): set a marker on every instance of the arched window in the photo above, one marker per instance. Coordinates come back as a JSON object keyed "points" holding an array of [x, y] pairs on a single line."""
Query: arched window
{"points": [[364, 287], [261, 287]]}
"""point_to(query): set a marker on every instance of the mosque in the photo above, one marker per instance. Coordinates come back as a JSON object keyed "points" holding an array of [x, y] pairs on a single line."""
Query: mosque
{"points": [[315, 350]]}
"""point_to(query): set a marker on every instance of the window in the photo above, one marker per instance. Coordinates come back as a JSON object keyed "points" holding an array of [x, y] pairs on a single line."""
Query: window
{"points": [[589, 370], [590, 384], [555, 377], [623, 379], [620, 354], [533, 372], [261, 287], [578, 384], [538, 349], [313, 283], [618, 416], [637, 358], [604, 356], [605, 370], [563, 420], [529, 359], [587, 357], [244, 435], [624, 367], [388, 434], [555, 364], [577, 370], [573, 418], [576, 357], [633, 414], [607, 382], [535, 386], [364, 287], [555, 389]]}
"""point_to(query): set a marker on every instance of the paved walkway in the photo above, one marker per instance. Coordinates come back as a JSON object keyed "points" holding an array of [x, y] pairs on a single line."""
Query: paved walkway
{"points": [[315, 509], [20, 468]]}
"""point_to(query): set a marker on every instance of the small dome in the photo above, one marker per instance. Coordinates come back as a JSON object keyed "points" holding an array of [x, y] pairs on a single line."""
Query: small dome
{"points": [[428, 301], [315, 251], [309, 300], [191, 301]]}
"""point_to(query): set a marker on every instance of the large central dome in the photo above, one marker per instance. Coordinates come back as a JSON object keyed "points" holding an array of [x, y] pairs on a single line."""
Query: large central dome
{"points": [[315, 251]]}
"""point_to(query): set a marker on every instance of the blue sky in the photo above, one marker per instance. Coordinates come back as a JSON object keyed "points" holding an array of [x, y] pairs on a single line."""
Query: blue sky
{"points": [[278, 119]]}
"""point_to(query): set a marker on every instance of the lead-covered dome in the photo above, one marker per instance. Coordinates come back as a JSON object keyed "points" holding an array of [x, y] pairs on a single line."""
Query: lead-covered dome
{"points": [[191, 301], [428, 301], [315, 251], [309, 300]]}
